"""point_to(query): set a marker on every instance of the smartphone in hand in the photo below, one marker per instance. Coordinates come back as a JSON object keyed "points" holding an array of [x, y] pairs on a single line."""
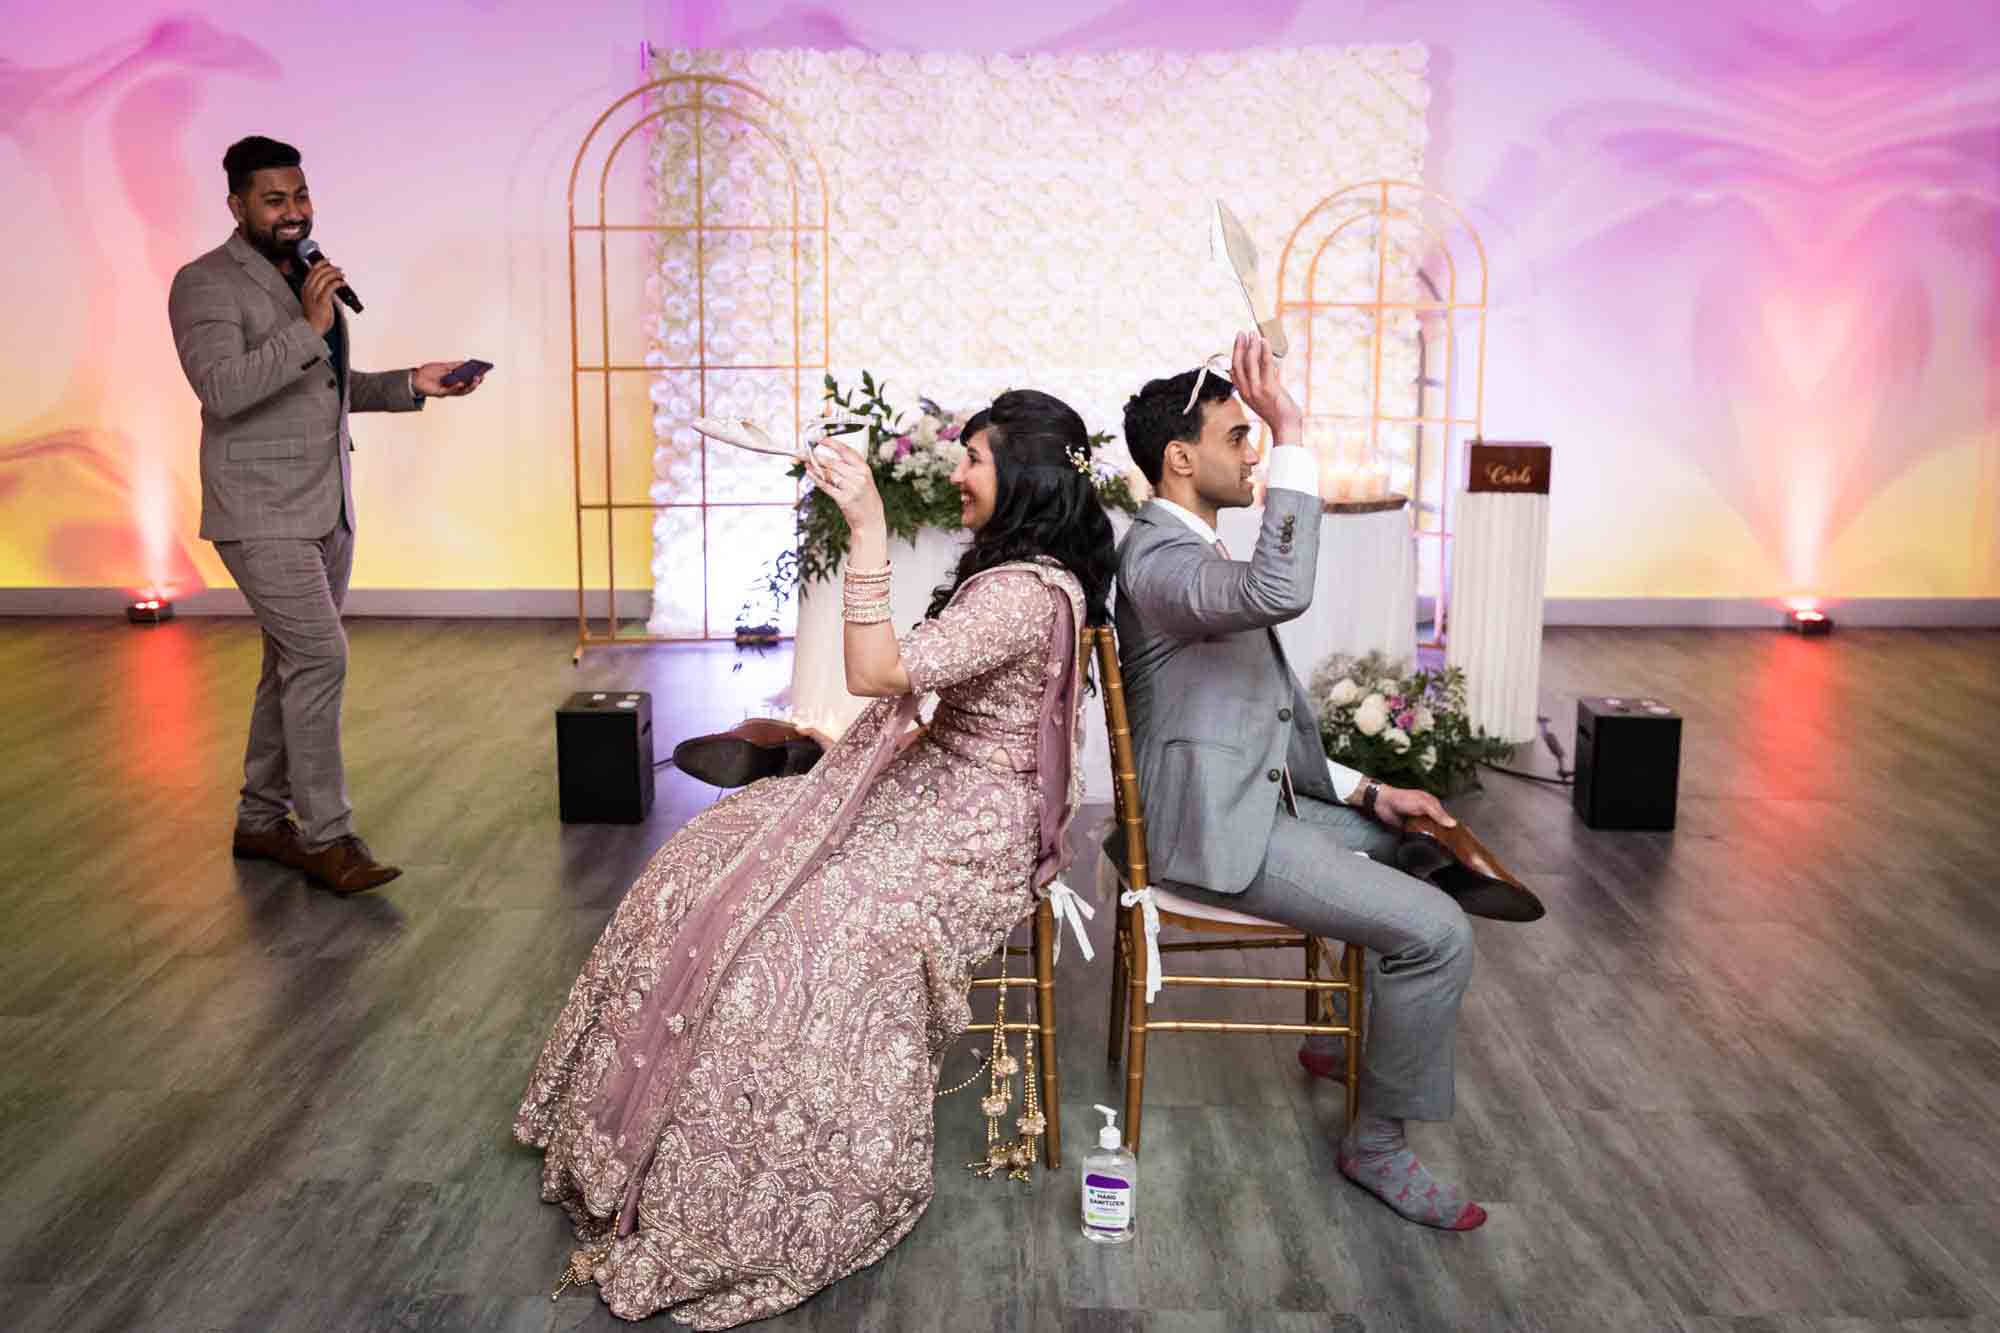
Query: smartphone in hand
{"points": [[468, 370]]}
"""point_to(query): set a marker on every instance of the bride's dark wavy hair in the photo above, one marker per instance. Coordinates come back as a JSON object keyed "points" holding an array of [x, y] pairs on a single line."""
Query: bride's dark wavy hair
{"points": [[1043, 505]]}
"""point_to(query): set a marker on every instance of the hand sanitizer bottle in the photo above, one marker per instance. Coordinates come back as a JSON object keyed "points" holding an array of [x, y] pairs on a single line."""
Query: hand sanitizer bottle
{"points": [[1110, 1181]]}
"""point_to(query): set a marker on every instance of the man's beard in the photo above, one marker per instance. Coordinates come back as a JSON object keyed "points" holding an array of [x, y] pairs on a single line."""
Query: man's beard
{"points": [[267, 243]]}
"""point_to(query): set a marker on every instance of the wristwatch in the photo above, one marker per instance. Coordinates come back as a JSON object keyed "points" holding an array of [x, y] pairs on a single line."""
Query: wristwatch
{"points": [[1369, 791]]}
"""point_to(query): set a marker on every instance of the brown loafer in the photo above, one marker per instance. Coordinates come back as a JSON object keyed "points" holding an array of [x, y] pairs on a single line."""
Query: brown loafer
{"points": [[280, 842], [1457, 862], [760, 747], [346, 866]]}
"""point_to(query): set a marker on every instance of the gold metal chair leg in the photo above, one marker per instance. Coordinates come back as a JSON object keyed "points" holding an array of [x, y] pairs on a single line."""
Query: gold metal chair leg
{"points": [[1313, 1006], [1045, 1018], [1121, 948], [1135, 1039], [1353, 966]]}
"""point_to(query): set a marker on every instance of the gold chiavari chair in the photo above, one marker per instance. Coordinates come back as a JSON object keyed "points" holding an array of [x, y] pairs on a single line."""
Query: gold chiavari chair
{"points": [[1042, 935], [1215, 929]]}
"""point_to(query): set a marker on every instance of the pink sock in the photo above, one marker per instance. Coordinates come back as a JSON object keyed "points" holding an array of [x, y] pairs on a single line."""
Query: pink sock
{"points": [[1375, 1156]]}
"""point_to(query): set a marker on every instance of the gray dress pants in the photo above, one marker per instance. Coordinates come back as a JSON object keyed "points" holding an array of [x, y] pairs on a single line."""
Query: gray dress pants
{"points": [[292, 761], [1418, 940]]}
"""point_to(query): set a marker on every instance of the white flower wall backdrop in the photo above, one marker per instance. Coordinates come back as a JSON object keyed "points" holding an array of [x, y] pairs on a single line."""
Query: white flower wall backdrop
{"points": [[995, 222]]}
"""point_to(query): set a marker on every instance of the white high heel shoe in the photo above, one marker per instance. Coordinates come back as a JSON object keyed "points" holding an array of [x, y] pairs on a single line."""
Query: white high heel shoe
{"points": [[1243, 260], [744, 434], [747, 434]]}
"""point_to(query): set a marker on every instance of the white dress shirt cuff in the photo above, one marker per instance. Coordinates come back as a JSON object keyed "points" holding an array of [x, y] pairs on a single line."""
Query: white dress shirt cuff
{"points": [[1344, 780], [1294, 468]]}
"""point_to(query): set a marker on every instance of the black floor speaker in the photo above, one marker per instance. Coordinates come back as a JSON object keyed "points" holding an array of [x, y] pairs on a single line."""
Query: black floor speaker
{"points": [[604, 757], [1628, 763]]}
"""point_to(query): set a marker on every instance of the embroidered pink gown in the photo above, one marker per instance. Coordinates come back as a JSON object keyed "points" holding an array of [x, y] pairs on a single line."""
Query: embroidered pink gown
{"points": [[735, 1104]]}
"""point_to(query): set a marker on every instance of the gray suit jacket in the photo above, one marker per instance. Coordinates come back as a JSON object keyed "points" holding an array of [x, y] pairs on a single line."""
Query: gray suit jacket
{"points": [[1215, 709], [274, 439]]}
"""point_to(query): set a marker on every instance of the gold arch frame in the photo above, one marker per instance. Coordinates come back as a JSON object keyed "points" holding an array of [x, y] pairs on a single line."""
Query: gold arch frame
{"points": [[687, 95], [1412, 206]]}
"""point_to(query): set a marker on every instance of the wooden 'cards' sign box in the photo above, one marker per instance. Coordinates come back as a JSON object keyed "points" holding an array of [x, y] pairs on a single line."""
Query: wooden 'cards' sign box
{"points": [[1518, 467]]}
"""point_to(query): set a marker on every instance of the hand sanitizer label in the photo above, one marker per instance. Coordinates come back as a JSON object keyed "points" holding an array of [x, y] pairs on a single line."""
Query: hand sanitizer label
{"points": [[1107, 1202]]}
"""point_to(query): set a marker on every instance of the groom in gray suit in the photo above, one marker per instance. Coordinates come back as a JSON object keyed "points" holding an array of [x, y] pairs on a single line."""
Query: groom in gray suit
{"points": [[265, 350], [1244, 809]]}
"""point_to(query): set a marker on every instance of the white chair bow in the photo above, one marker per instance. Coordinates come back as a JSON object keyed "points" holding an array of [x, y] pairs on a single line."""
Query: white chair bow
{"points": [[1073, 909], [1149, 909]]}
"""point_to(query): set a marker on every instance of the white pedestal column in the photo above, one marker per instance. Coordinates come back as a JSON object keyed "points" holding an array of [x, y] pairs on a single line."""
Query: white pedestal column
{"points": [[1499, 567]]}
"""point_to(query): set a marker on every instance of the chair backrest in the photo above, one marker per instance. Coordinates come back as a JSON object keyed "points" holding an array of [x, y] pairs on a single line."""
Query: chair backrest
{"points": [[1124, 767]]}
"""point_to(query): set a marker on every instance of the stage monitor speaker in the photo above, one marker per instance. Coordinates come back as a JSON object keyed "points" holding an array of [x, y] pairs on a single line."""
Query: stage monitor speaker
{"points": [[1628, 763], [604, 757]]}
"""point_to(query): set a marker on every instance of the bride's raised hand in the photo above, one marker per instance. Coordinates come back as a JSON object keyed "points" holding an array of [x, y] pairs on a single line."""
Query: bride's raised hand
{"points": [[844, 474]]}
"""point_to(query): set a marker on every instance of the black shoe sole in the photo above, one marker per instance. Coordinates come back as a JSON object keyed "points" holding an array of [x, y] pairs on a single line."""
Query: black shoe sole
{"points": [[728, 761], [1480, 896]]}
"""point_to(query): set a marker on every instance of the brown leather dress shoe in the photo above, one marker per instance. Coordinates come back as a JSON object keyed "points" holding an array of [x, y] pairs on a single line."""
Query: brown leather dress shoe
{"points": [[280, 842], [760, 747], [1457, 862], [346, 866]]}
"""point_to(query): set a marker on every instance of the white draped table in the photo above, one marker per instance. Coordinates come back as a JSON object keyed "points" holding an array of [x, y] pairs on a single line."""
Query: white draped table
{"points": [[820, 702], [1365, 600]]}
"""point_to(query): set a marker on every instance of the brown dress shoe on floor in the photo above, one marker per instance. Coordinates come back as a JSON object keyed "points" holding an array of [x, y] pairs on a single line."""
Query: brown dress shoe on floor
{"points": [[346, 866], [761, 747], [280, 842], [1457, 862]]}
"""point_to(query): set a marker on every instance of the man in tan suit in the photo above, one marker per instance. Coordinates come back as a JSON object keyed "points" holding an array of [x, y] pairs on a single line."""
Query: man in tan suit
{"points": [[265, 350]]}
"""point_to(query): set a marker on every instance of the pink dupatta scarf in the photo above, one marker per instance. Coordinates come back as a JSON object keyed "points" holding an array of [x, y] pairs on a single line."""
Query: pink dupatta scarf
{"points": [[632, 1104]]}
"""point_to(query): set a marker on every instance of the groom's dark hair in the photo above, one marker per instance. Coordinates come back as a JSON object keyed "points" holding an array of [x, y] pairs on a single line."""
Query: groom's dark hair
{"points": [[1154, 420], [247, 157]]}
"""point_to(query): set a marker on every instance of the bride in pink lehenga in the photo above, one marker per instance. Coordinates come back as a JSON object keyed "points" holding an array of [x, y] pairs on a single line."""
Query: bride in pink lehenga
{"points": [[735, 1103]]}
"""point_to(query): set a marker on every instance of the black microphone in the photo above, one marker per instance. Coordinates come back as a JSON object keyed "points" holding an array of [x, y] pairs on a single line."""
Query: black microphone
{"points": [[310, 254]]}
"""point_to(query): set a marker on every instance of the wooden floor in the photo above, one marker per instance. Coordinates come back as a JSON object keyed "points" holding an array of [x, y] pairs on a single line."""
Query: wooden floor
{"points": [[1744, 1077]]}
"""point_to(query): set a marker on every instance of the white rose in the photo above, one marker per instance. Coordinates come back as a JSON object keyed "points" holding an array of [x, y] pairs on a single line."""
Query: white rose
{"points": [[887, 453], [1135, 482], [1388, 686], [926, 431], [1372, 716], [1398, 741], [1428, 759], [1422, 722], [1344, 692]]}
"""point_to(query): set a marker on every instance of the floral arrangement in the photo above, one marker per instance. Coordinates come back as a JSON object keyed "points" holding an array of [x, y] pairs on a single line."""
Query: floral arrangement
{"points": [[1407, 728], [1119, 486], [913, 456]]}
